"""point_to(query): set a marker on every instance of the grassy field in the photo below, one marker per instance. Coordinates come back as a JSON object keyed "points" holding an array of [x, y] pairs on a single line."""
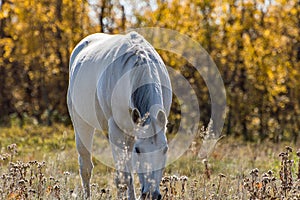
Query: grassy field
{"points": [[39, 162]]}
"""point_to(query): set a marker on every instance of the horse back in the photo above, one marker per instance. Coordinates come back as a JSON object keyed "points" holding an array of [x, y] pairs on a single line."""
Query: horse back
{"points": [[84, 70]]}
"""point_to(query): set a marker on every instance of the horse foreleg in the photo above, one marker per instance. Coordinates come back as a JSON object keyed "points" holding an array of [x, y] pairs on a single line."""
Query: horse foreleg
{"points": [[84, 138], [121, 148], [124, 183]]}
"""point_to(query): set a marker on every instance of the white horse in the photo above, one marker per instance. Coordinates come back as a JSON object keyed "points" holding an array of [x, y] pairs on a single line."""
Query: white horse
{"points": [[119, 84]]}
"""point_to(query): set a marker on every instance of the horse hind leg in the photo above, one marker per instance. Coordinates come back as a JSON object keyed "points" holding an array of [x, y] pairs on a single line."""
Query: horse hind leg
{"points": [[86, 167], [84, 139]]}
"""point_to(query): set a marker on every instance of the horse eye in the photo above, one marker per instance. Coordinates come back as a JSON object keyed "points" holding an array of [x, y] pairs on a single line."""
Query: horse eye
{"points": [[137, 150]]}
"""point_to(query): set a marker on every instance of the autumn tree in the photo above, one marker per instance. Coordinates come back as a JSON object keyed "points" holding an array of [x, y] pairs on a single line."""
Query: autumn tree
{"points": [[36, 41], [255, 45]]}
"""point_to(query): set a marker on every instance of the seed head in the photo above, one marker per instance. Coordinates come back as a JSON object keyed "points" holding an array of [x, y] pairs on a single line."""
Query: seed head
{"points": [[12, 147], [254, 172], [288, 149], [94, 185], [270, 172], [265, 179], [264, 175], [122, 187], [174, 178], [165, 179], [165, 189], [66, 173], [222, 175], [298, 153], [273, 179], [103, 191], [283, 155], [56, 187], [183, 178], [32, 191], [290, 162], [21, 182]]}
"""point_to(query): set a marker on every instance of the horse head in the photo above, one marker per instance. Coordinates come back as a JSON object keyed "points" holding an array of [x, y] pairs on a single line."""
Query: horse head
{"points": [[150, 150]]}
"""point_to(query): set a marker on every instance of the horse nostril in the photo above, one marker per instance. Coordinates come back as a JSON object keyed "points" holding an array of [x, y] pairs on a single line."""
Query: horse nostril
{"points": [[144, 196], [156, 196], [137, 150], [159, 197], [165, 149]]}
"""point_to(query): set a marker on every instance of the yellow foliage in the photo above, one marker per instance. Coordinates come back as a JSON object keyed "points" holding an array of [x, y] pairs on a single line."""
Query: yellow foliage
{"points": [[255, 46]]}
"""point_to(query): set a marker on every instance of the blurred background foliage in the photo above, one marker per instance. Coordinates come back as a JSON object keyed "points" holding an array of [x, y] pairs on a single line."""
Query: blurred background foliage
{"points": [[254, 43]]}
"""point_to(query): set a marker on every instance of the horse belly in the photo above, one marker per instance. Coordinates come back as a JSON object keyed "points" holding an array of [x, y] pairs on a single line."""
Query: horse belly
{"points": [[83, 96]]}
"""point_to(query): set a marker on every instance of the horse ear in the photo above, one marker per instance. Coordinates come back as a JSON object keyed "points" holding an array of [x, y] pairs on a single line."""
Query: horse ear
{"points": [[161, 118], [135, 115]]}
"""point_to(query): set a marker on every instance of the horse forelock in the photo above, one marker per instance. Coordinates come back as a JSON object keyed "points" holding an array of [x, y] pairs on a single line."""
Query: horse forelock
{"points": [[146, 96]]}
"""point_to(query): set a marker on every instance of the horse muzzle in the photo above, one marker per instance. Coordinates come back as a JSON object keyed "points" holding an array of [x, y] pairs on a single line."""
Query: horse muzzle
{"points": [[154, 196]]}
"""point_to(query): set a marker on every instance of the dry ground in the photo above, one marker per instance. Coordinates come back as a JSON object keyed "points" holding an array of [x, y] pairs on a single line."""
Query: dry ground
{"points": [[41, 163]]}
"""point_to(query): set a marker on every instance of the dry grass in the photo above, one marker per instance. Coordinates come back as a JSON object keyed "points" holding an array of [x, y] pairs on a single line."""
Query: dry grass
{"points": [[235, 170]]}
